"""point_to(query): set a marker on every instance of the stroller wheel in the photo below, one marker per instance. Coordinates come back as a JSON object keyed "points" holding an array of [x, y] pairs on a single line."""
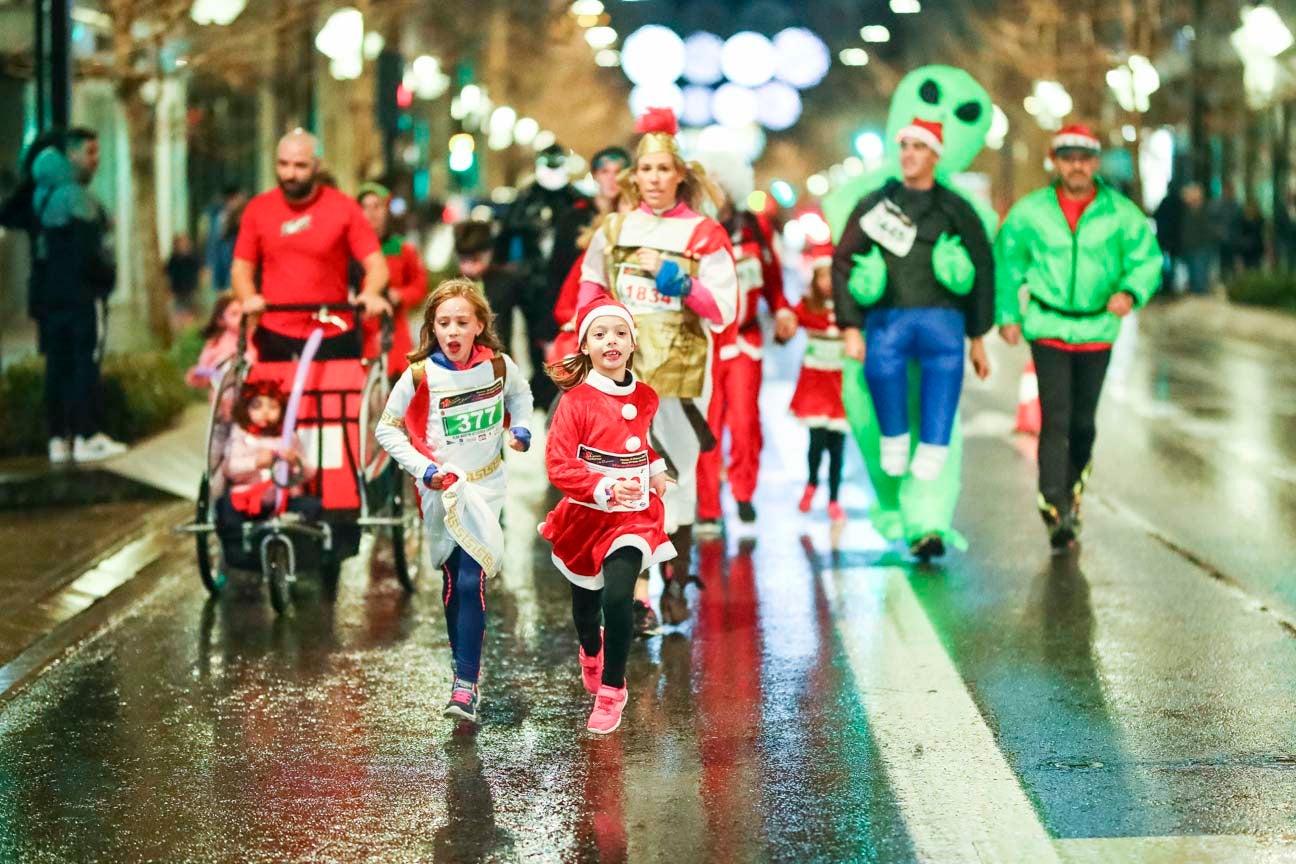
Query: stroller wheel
{"points": [[277, 568]]}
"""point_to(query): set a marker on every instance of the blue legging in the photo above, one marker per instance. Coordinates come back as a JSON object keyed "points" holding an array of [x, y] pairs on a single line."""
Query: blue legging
{"points": [[934, 339], [463, 593]]}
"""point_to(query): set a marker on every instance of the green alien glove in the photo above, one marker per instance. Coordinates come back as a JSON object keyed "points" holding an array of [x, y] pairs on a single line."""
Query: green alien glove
{"points": [[868, 278], [952, 265]]}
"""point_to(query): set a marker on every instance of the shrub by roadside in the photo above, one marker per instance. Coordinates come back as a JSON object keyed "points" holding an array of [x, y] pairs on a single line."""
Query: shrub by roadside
{"points": [[1256, 288], [142, 394]]}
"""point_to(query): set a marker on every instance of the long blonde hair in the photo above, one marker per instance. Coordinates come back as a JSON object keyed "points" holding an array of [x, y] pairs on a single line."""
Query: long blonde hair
{"points": [[694, 190], [450, 288]]}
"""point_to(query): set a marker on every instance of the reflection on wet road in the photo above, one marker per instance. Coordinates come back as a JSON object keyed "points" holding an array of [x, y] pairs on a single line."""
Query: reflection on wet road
{"points": [[823, 705]]}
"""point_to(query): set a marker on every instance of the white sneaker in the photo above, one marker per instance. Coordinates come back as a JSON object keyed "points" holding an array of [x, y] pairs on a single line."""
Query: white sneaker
{"points": [[928, 461], [895, 454], [96, 447], [59, 453]]}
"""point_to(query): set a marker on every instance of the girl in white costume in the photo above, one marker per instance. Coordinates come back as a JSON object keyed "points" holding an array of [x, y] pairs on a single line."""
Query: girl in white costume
{"points": [[445, 424]]}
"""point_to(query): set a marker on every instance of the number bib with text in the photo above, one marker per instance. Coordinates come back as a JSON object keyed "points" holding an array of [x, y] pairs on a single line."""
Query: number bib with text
{"points": [[888, 226], [473, 416], [619, 466], [637, 289], [749, 273]]}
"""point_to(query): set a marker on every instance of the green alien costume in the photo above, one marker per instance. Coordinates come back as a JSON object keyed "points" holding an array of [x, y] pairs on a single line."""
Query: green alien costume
{"points": [[907, 508]]}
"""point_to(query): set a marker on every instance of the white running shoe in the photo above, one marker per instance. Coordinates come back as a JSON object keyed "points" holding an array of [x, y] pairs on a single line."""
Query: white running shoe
{"points": [[928, 461], [895, 454], [96, 447], [59, 452]]}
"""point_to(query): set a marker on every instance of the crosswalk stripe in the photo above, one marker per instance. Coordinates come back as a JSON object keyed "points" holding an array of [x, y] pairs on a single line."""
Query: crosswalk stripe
{"points": [[960, 799]]}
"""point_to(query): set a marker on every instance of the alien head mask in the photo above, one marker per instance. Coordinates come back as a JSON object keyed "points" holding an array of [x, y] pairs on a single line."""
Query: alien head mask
{"points": [[947, 96]]}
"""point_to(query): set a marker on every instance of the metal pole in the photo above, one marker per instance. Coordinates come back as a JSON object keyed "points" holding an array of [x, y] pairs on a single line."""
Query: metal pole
{"points": [[60, 56], [39, 60]]}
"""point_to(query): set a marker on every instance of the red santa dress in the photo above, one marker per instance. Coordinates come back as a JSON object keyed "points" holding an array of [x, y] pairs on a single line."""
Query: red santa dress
{"points": [[817, 400], [600, 435]]}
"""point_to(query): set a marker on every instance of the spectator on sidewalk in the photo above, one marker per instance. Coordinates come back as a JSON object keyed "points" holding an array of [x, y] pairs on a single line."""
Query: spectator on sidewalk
{"points": [[1250, 237], [71, 279], [1226, 217], [182, 270], [1196, 240], [1169, 219], [222, 229]]}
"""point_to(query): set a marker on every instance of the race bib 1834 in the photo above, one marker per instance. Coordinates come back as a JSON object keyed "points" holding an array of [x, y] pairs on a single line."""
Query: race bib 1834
{"points": [[637, 289], [474, 415]]}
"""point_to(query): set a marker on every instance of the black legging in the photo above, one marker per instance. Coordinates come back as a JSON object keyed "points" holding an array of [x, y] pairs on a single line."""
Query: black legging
{"points": [[1070, 383], [834, 442], [613, 607]]}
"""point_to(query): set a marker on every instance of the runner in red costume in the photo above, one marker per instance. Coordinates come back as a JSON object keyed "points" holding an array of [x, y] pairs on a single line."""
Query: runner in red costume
{"points": [[736, 366]]}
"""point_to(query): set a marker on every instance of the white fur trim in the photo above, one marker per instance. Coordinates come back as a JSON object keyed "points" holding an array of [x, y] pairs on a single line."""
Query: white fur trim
{"points": [[926, 136], [1075, 141], [629, 411], [632, 443], [604, 384], [661, 554], [610, 309]]}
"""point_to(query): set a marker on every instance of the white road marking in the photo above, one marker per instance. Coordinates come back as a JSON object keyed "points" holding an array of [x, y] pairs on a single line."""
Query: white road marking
{"points": [[960, 799]]}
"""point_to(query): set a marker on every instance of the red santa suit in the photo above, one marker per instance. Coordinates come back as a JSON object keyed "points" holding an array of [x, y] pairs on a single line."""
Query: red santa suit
{"points": [[735, 399], [600, 435], [406, 286], [674, 348], [817, 400]]}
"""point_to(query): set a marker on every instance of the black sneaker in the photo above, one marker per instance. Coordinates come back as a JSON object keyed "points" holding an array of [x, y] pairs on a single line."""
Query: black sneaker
{"points": [[927, 547], [645, 621], [746, 512]]}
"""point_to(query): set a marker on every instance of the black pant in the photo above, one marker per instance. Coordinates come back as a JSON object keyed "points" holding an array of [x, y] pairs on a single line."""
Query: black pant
{"points": [[272, 346], [834, 442], [69, 339], [614, 605], [1070, 383]]}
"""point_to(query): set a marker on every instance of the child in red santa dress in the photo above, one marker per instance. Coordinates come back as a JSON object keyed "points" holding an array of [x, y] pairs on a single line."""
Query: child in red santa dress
{"points": [[445, 423], [609, 527], [817, 400]]}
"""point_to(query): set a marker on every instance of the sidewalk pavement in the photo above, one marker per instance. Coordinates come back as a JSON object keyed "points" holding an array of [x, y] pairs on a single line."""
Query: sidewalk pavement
{"points": [[1216, 317], [74, 535]]}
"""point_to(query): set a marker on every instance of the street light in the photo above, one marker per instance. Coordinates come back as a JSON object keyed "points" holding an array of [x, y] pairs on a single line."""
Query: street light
{"points": [[853, 57], [1261, 38], [341, 39], [220, 12], [875, 33], [1048, 103], [1134, 82], [906, 7]]}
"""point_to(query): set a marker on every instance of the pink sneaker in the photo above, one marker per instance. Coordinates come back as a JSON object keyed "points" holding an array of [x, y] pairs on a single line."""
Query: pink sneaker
{"points": [[606, 716], [806, 497], [835, 512], [591, 668]]}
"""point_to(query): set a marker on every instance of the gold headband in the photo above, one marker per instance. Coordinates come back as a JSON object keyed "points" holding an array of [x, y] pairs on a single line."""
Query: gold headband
{"points": [[658, 142]]}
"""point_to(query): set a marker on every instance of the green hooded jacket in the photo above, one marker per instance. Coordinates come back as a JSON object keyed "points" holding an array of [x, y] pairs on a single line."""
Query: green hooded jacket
{"points": [[1069, 276]]}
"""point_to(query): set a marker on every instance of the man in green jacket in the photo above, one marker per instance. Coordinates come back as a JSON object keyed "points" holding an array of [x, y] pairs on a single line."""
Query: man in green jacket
{"points": [[1071, 259]]}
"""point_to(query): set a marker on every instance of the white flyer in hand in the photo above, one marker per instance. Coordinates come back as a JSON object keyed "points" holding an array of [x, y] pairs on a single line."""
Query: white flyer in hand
{"points": [[620, 466]]}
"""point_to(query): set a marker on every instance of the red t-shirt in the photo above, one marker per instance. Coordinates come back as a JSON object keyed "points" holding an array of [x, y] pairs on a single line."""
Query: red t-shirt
{"points": [[1073, 208], [303, 252]]}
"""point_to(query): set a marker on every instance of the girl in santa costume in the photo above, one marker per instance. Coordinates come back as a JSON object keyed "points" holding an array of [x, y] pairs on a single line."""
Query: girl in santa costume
{"points": [[445, 423], [609, 527], [674, 270], [817, 400]]}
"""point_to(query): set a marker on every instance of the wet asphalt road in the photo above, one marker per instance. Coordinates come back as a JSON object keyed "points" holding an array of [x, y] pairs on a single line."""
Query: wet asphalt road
{"points": [[824, 704]]}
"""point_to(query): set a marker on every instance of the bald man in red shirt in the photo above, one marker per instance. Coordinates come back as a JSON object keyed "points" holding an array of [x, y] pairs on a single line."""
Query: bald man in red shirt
{"points": [[301, 235]]}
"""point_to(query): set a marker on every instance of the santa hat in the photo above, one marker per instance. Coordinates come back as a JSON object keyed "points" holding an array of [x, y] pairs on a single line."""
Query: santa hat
{"points": [[660, 120], [926, 131], [597, 309], [1077, 137]]}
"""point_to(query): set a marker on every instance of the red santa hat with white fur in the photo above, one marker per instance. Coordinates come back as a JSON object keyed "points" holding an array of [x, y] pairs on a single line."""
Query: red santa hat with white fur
{"points": [[597, 309], [928, 132], [1076, 137]]}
